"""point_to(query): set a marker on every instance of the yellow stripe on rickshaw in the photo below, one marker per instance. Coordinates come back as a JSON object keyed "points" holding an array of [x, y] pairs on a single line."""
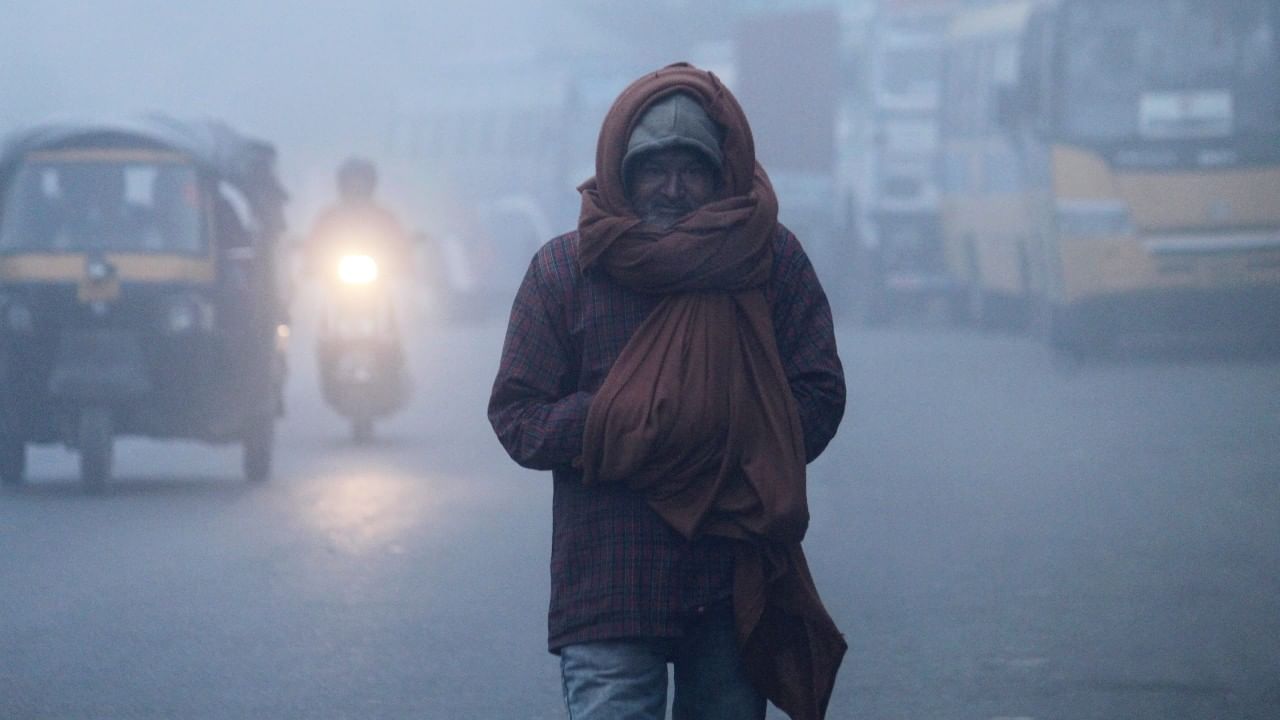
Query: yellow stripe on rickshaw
{"points": [[130, 267], [108, 155]]}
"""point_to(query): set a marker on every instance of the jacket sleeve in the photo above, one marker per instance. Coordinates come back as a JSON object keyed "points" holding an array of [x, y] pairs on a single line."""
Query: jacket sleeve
{"points": [[538, 422], [807, 345]]}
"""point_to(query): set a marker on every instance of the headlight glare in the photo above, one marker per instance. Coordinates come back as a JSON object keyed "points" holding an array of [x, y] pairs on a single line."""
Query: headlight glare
{"points": [[357, 270]]}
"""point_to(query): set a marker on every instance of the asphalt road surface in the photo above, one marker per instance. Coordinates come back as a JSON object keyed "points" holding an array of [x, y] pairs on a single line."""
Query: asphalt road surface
{"points": [[997, 537]]}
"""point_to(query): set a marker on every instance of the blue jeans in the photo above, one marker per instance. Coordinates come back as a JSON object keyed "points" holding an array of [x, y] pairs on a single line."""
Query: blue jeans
{"points": [[627, 679]]}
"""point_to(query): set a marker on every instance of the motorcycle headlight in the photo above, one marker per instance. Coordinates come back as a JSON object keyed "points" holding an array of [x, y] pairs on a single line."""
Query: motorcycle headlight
{"points": [[357, 270]]}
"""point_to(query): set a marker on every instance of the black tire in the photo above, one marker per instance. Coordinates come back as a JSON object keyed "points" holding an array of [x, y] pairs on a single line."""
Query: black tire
{"points": [[1066, 335], [877, 309], [361, 430], [973, 304], [1025, 308], [868, 297], [977, 307], [259, 449], [1021, 316], [1040, 318], [958, 307], [95, 443], [13, 461]]}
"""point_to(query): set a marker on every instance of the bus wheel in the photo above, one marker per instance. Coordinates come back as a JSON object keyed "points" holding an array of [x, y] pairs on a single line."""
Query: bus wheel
{"points": [[13, 460], [864, 294], [1064, 334], [95, 444], [974, 302], [873, 306], [977, 307], [258, 448], [958, 307], [1039, 317]]}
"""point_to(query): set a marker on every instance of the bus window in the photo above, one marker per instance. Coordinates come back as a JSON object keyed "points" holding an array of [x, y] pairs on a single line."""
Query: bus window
{"points": [[1170, 69]]}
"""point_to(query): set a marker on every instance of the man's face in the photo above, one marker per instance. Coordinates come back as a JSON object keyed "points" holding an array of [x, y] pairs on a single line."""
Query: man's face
{"points": [[665, 185]]}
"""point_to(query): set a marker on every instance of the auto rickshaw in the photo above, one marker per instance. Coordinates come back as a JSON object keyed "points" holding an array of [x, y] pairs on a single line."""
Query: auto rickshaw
{"points": [[139, 293]]}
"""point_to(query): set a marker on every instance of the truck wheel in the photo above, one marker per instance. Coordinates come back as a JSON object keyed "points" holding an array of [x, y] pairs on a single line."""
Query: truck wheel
{"points": [[13, 460], [958, 307], [95, 443], [875, 305], [868, 296], [258, 447], [973, 307]]}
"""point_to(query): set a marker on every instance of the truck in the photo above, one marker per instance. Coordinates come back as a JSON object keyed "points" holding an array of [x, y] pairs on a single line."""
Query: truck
{"points": [[786, 75], [890, 164]]}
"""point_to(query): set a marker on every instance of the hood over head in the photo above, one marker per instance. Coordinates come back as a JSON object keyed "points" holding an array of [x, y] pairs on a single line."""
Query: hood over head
{"points": [[676, 120], [736, 145]]}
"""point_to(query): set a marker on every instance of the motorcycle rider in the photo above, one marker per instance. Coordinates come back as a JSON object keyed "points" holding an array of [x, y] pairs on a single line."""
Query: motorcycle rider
{"points": [[362, 257], [358, 222]]}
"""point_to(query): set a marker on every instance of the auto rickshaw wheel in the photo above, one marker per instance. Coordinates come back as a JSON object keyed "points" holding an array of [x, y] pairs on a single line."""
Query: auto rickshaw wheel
{"points": [[13, 460], [95, 445], [259, 444]]}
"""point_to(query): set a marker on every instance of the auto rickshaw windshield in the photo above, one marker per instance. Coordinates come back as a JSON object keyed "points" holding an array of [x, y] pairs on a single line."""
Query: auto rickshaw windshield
{"points": [[72, 205]]}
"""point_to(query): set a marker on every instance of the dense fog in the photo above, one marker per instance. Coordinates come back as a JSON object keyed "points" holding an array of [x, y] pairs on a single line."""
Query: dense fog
{"points": [[1048, 233]]}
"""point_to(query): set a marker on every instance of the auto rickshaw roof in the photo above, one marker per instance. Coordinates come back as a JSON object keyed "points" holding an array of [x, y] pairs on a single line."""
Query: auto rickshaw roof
{"points": [[246, 163]]}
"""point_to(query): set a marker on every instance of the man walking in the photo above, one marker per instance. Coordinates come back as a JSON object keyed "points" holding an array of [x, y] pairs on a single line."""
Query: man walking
{"points": [[673, 363]]}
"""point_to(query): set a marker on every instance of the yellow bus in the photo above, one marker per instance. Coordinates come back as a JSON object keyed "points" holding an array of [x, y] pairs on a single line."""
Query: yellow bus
{"points": [[1113, 167]]}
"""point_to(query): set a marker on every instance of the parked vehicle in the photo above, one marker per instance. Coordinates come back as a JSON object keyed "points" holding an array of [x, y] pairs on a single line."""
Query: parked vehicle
{"points": [[1106, 184], [890, 181], [771, 51], [138, 291]]}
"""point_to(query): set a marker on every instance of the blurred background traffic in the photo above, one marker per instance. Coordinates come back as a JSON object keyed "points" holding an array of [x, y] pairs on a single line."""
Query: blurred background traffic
{"points": [[1043, 165], [1049, 231]]}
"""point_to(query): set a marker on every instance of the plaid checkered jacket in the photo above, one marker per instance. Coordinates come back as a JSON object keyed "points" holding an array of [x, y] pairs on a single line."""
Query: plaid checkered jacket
{"points": [[617, 570]]}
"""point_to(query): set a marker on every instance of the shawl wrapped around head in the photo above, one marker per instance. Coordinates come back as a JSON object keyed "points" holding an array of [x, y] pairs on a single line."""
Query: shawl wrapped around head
{"points": [[696, 413]]}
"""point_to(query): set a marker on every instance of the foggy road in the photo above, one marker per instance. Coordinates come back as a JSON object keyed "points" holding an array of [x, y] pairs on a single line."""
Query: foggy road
{"points": [[1083, 525], [997, 538]]}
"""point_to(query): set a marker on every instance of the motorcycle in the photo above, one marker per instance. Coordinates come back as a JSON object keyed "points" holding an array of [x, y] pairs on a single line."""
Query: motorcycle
{"points": [[363, 375]]}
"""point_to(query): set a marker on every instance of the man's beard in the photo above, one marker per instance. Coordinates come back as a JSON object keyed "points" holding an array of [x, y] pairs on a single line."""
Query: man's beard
{"points": [[665, 214]]}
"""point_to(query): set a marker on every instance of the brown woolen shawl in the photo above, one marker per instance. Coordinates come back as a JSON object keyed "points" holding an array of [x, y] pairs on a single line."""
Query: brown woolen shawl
{"points": [[696, 413]]}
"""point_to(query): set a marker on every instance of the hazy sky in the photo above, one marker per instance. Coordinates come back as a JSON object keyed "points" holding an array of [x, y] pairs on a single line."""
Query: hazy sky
{"points": [[320, 79], [317, 78]]}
